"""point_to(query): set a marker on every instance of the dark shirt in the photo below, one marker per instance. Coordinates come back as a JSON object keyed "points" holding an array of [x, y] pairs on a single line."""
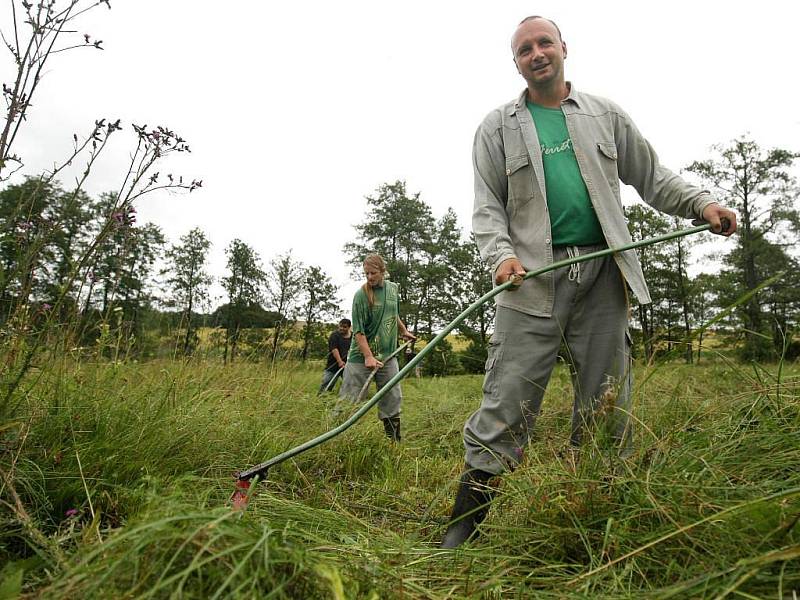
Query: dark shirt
{"points": [[338, 341]]}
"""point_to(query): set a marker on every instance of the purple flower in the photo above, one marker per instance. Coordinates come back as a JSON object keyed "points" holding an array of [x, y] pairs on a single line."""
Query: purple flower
{"points": [[46, 306], [126, 215], [72, 512]]}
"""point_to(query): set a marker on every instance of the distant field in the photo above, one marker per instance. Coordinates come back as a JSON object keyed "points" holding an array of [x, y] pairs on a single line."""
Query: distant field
{"points": [[211, 337]]}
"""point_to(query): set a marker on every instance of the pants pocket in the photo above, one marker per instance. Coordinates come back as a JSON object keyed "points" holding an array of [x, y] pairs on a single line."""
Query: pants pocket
{"points": [[493, 364]]}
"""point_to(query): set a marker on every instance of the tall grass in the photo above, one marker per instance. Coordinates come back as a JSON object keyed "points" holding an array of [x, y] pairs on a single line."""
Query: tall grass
{"points": [[115, 480]]}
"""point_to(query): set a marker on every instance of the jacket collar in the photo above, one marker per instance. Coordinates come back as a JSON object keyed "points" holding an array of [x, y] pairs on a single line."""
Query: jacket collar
{"points": [[519, 103]]}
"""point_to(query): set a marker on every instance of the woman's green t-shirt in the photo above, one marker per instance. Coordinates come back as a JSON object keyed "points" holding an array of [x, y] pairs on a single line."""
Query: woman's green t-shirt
{"points": [[378, 324]]}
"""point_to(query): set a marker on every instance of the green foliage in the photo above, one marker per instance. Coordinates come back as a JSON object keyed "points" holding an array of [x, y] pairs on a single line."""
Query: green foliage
{"points": [[285, 283], [320, 302], [442, 361], [243, 285], [473, 357], [42, 229], [439, 273], [477, 281], [115, 484], [664, 279], [252, 315], [759, 184], [188, 280], [398, 226]]}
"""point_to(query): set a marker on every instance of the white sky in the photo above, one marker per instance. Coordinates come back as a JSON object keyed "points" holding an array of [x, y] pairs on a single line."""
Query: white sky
{"points": [[296, 110]]}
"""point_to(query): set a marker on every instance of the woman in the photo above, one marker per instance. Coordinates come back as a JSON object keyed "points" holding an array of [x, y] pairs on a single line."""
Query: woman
{"points": [[376, 324]]}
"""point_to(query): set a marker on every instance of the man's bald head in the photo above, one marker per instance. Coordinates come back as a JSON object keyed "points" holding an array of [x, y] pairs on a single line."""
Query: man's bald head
{"points": [[533, 17]]}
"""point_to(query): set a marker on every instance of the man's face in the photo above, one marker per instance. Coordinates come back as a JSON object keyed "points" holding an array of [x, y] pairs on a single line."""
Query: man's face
{"points": [[344, 329], [539, 52], [374, 276]]}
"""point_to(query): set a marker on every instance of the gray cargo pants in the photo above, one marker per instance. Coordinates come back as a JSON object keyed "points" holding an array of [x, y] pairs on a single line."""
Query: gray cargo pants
{"points": [[590, 315], [355, 376]]}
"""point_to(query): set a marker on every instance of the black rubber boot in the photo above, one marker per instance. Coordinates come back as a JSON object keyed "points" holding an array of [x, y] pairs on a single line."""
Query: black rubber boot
{"points": [[472, 504], [391, 426]]}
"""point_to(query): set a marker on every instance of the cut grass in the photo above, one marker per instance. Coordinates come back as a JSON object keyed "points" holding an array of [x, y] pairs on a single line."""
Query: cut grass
{"points": [[706, 507]]}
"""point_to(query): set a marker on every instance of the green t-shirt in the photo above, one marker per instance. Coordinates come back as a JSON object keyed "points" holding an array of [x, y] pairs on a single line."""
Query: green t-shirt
{"points": [[378, 323], [573, 221]]}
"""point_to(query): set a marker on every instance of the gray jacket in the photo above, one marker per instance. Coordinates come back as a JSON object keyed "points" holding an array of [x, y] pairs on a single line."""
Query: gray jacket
{"points": [[510, 215]]}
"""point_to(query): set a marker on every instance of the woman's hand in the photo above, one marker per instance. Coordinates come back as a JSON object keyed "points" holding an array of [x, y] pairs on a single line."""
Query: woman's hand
{"points": [[372, 363], [407, 335]]}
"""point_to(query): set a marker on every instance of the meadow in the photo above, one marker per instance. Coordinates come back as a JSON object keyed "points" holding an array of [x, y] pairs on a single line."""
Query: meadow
{"points": [[116, 479]]}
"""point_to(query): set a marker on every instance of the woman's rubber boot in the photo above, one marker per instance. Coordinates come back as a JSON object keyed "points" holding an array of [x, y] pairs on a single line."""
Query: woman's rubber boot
{"points": [[391, 426], [472, 504]]}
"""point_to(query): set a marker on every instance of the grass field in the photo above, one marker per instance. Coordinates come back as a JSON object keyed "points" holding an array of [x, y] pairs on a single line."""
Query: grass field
{"points": [[116, 479]]}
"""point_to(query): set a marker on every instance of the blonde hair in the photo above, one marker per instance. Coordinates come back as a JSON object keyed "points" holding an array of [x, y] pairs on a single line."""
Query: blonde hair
{"points": [[373, 261]]}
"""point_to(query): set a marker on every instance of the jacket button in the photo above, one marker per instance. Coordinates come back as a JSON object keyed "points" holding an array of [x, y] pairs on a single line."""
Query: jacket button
{"points": [[508, 171], [547, 241]]}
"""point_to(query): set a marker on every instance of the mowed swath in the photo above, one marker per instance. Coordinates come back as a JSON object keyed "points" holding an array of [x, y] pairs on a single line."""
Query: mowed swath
{"points": [[708, 502]]}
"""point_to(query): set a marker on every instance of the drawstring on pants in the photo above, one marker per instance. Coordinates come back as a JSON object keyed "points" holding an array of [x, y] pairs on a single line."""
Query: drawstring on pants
{"points": [[575, 268]]}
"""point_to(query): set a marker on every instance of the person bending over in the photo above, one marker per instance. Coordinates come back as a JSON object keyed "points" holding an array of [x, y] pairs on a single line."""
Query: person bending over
{"points": [[376, 324]]}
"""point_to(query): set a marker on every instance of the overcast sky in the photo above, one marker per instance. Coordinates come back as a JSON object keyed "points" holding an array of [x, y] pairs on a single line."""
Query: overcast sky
{"points": [[297, 110]]}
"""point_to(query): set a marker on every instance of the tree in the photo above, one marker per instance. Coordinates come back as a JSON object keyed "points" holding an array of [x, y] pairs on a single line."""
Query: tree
{"points": [[25, 215], [244, 288], [477, 281], [439, 276], [121, 271], [284, 284], [127, 286], [758, 184], [253, 316], [645, 223], [188, 278], [398, 226], [74, 213], [671, 308], [320, 301], [442, 361], [704, 292]]}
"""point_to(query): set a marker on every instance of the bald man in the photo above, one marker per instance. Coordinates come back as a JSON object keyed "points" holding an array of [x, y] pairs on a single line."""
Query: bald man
{"points": [[548, 167]]}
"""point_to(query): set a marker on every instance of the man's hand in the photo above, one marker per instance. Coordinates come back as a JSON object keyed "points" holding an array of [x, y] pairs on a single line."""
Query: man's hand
{"points": [[341, 364], [512, 269], [372, 363], [722, 220]]}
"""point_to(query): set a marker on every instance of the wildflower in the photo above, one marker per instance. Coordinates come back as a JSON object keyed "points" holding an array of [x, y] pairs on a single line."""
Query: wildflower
{"points": [[72, 512], [46, 307], [125, 216]]}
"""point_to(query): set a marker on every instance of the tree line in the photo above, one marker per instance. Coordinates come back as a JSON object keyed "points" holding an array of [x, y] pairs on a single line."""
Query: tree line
{"points": [[45, 233]]}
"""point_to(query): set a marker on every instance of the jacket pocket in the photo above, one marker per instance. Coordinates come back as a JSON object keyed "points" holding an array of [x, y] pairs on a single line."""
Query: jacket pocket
{"points": [[608, 166], [520, 181], [608, 149]]}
